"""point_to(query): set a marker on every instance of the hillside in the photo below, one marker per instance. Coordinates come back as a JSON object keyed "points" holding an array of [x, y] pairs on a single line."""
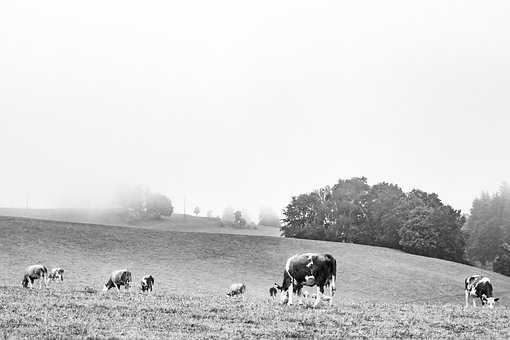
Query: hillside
{"points": [[177, 222], [205, 264]]}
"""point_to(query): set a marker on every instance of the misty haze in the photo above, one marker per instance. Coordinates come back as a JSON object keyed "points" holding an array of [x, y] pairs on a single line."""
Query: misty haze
{"points": [[254, 170]]}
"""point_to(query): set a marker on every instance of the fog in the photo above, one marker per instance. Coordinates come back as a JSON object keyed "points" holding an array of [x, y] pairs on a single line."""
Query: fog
{"points": [[244, 105]]}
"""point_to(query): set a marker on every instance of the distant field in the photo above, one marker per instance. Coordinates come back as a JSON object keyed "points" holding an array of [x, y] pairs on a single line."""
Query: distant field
{"points": [[206, 264], [177, 222], [58, 313]]}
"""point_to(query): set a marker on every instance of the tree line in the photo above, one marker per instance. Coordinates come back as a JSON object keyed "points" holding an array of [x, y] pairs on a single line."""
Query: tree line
{"points": [[488, 229], [381, 215]]}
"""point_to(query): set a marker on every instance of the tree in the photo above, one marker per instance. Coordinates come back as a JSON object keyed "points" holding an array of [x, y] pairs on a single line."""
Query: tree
{"points": [[142, 204], [196, 211], [268, 217], [239, 221], [228, 215], [158, 206], [383, 216], [502, 261], [488, 225]]}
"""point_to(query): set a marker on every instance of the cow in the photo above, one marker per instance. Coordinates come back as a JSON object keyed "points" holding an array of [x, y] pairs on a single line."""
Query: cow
{"points": [[273, 291], [35, 272], [118, 278], [56, 273], [147, 283], [236, 289], [308, 269], [478, 286]]}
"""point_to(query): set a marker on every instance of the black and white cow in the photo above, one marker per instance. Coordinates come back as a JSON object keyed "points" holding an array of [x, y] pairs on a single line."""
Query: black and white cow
{"points": [[147, 283], [56, 273], [118, 278], [236, 289], [35, 272], [478, 286], [308, 269]]}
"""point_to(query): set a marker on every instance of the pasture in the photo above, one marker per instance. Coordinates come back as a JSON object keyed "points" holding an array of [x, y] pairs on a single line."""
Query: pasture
{"points": [[56, 313], [381, 292]]}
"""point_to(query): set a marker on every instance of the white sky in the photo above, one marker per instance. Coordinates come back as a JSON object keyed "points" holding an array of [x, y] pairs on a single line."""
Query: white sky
{"points": [[248, 103]]}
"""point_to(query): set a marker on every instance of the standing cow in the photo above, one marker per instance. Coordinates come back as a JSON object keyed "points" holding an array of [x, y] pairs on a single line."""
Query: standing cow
{"points": [[118, 278], [35, 272], [478, 286], [147, 283], [56, 273], [308, 269]]}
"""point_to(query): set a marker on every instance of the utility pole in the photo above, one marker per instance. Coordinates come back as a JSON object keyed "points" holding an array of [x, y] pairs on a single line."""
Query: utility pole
{"points": [[26, 201]]}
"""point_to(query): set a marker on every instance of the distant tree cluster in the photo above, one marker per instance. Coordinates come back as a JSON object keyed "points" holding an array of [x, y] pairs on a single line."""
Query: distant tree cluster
{"points": [[488, 227], [142, 204], [381, 215], [235, 219]]}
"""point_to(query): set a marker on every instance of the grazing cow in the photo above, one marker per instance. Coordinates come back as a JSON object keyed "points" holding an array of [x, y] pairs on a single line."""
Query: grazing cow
{"points": [[118, 278], [236, 289], [56, 273], [35, 272], [147, 283], [273, 290], [478, 286], [308, 269]]}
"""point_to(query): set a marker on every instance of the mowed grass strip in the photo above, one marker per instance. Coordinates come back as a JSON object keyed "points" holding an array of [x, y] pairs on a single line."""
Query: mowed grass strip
{"points": [[30, 313]]}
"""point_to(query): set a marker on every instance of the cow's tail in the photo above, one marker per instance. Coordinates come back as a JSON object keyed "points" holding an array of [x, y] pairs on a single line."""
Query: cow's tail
{"points": [[332, 262]]}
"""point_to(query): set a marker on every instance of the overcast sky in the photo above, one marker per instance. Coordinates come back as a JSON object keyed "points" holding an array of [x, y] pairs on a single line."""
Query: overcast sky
{"points": [[248, 103]]}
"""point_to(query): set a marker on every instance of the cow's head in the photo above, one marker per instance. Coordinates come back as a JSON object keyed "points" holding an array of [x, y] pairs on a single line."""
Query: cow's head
{"points": [[60, 272], [284, 294], [490, 302]]}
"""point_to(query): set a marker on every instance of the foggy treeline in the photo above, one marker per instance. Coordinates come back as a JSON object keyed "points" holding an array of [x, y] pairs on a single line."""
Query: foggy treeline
{"points": [[488, 229]]}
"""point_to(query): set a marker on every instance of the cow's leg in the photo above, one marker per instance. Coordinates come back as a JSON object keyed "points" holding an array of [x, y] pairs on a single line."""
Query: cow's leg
{"points": [[317, 297], [467, 298], [474, 303], [290, 292]]}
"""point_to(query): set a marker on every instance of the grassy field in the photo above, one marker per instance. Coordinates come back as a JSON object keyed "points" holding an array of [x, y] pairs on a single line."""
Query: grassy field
{"points": [[381, 292], [57, 313], [177, 222]]}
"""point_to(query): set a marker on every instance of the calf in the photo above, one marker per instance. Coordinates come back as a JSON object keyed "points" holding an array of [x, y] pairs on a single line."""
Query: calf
{"points": [[118, 278], [56, 273], [147, 283], [478, 286], [35, 272], [236, 289], [308, 269]]}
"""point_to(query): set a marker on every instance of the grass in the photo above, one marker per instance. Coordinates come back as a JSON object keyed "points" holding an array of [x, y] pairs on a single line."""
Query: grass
{"points": [[56, 313], [177, 222], [381, 292]]}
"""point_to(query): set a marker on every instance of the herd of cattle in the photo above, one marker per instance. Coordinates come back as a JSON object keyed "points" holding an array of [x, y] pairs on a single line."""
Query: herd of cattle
{"points": [[307, 269]]}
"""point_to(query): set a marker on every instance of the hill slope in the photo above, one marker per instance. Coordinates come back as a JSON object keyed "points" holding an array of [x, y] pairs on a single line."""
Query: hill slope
{"points": [[177, 222], [204, 263]]}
